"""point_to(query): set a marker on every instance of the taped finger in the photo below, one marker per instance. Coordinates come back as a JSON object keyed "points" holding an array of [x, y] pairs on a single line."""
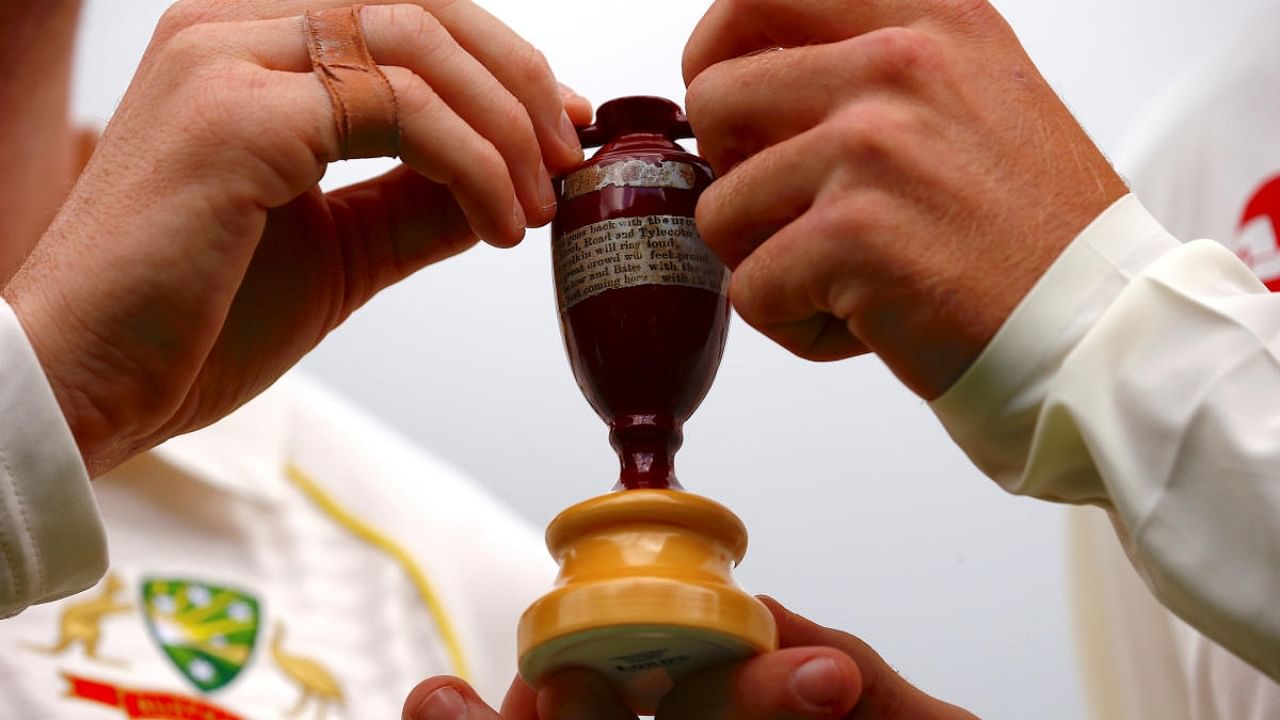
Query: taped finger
{"points": [[366, 113]]}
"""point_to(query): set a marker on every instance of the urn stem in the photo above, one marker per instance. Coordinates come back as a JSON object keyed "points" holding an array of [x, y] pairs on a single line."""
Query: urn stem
{"points": [[646, 446]]}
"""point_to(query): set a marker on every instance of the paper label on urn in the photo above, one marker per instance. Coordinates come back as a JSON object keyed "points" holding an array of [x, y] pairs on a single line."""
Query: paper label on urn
{"points": [[631, 173], [627, 252]]}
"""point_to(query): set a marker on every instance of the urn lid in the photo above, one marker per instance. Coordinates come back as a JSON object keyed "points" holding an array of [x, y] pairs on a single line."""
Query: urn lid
{"points": [[639, 114]]}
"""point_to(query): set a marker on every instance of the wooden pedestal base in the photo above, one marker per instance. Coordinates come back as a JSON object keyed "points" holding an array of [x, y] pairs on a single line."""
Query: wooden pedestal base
{"points": [[645, 596]]}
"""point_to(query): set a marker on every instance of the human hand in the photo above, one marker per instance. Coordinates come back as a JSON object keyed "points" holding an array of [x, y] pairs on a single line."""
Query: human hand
{"points": [[197, 259], [895, 176], [818, 673], [449, 698]]}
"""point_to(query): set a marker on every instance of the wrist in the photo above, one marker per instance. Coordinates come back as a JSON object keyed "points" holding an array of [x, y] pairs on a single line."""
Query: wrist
{"points": [[934, 326], [45, 330]]}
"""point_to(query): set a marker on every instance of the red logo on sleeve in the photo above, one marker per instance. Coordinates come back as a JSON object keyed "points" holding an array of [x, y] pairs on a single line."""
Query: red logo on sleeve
{"points": [[138, 705], [1258, 235]]}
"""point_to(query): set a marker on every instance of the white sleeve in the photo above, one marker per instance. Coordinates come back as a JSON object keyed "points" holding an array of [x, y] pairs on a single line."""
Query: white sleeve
{"points": [[1143, 375], [52, 543]]}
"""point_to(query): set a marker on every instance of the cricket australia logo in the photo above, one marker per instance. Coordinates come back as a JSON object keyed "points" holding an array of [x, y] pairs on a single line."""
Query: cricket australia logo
{"points": [[209, 632]]}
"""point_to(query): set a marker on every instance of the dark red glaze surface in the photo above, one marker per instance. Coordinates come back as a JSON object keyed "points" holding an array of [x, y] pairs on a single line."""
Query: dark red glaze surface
{"points": [[644, 356]]}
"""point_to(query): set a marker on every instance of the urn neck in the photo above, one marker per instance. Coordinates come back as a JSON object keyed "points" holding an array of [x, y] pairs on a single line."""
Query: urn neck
{"points": [[646, 446], [638, 115]]}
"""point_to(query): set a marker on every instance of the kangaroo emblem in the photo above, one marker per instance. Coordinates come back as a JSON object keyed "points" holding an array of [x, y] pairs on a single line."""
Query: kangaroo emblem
{"points": [[81, 622], [312, 678]]}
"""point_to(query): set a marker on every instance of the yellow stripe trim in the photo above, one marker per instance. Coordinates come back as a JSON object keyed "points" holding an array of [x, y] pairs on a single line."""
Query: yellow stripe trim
{"points": [[369, 534]]}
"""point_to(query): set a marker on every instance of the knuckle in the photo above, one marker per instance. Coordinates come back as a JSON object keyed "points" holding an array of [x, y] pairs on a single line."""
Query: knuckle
{"points": [[476, 169], [902, 54], [700, 100], [850, 134], [491, 169], [515, 128], [869, 133], [513, 117], [717, 121], [194, 45], [854, 214], [969, 11], [182, 15], [531, 67], [718, 219], [710, 219], [833, 289], [423, 30], [177, 17], [763, 297]]}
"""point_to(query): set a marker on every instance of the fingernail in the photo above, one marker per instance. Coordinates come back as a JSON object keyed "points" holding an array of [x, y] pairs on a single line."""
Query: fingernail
{"points": [[567, 92], [443, 704], [569, 134], [818, 682], [546, 193]]}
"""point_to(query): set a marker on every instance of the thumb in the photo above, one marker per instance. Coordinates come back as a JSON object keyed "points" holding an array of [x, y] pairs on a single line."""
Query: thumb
{"points": [[445, 698], [886, 695], [793, 684]]}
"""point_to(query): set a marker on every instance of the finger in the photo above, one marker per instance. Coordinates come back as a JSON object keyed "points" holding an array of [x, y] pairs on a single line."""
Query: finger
{"points": [[734, 109], [794, 683], [733, 28], [394, 225], [576, 107], [885, 694], [785, 290], [521, 702], [736, 28], [409, 37], [798, 631], [300, 136], [445, 698], [782, 274], [512, 60], [840, 161], [444, 148], [319, 259], [521, 68], [405, 36], [807, 227], [580, 695], [762, 195]]}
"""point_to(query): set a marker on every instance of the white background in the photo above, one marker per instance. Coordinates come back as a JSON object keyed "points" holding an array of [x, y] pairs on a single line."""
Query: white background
{"points": [[862, 514]]}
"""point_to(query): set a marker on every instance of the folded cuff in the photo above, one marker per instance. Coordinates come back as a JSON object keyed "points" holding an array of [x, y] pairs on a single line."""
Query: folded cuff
{"points": [[52, 541], [992, 410]]}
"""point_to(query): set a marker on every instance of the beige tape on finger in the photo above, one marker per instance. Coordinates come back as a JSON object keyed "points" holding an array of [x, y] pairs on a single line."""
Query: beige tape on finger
{"points": [[366, 116]]}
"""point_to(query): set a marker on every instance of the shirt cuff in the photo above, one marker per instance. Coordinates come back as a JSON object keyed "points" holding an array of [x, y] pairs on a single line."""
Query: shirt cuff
{"points": [[992, 410], [52, 541]]}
